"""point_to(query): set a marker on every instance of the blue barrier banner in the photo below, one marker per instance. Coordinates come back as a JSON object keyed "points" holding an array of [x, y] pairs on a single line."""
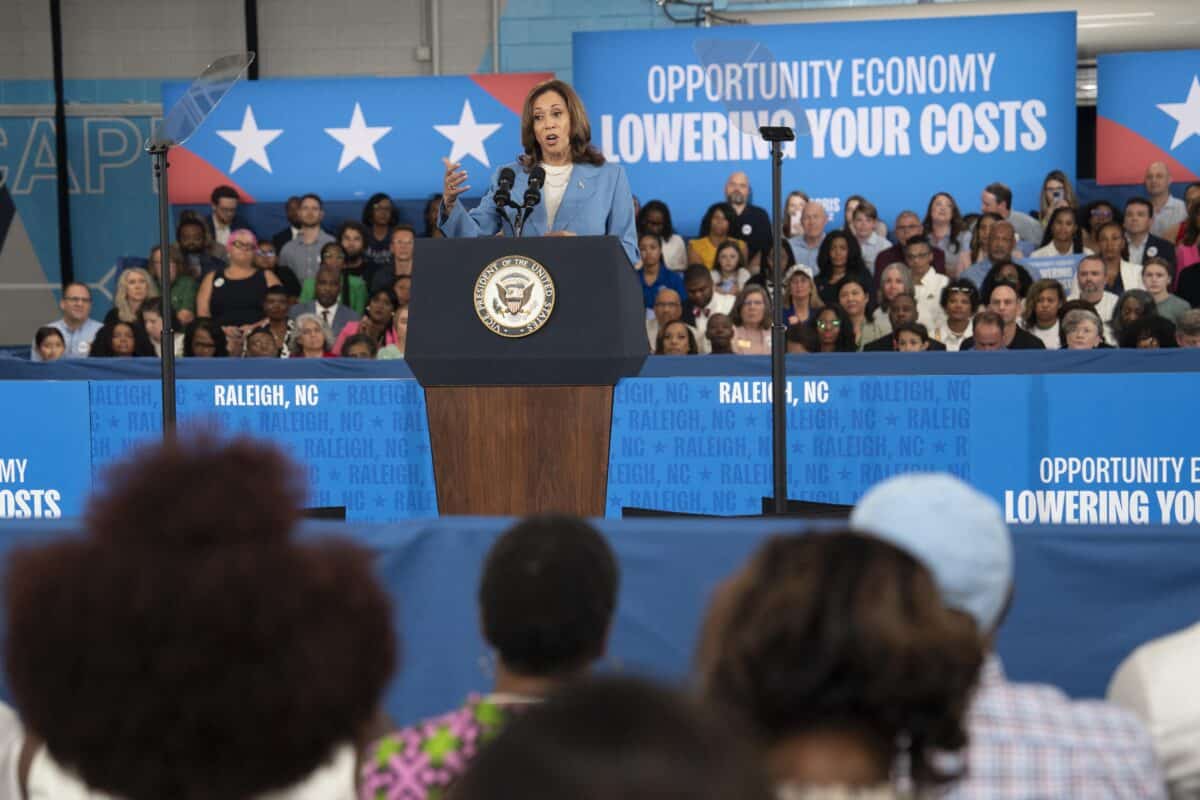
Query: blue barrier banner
{"points": [[1056, 268], [895, 110], [1038, 444], [363, 444], [1147, 109], [356, 136], [43, 469]]}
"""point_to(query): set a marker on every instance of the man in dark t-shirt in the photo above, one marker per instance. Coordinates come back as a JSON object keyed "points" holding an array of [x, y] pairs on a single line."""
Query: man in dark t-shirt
{"points": [[752, 224]]}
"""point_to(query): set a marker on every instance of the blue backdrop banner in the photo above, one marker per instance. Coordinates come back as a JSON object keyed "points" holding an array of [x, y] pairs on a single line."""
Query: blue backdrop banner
{"points": [[932, 104], [43, 471]]}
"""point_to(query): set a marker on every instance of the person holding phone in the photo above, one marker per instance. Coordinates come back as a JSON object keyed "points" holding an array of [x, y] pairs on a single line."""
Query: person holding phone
{"points": [[1056, 193]]}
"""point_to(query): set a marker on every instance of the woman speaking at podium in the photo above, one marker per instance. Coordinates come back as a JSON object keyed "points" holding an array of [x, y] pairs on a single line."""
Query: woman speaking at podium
{"points": [[580, 194]]}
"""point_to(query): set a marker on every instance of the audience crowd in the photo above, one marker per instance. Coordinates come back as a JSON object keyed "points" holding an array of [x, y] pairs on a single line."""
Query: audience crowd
{"points": [[210, 652], [948, 271]]}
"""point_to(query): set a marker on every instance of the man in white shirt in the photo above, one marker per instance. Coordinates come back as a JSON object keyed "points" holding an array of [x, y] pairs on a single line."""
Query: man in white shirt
{"points": [[76, 326], [927, 282], [997, 199], [1089, 287], [698, 282], [1169, 211]]}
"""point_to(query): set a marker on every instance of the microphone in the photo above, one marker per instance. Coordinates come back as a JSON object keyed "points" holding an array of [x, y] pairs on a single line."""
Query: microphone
{"points": [[533, 195], [503, 195]]}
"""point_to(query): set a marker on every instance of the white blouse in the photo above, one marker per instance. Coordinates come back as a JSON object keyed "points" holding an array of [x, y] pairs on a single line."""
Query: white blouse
{"points": [[555, 187]]}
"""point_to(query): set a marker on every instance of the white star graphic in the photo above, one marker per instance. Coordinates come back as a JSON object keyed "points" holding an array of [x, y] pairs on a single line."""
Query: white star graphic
{"points": [[250, 143], [1187, 114], [468, 136], [358, 141]]}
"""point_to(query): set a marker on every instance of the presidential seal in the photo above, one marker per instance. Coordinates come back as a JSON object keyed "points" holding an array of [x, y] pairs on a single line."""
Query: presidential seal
{"points": [[514, 296]]}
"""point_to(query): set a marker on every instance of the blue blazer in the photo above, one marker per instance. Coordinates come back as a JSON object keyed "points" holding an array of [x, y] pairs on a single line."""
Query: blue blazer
{"points": [[597, 202]]}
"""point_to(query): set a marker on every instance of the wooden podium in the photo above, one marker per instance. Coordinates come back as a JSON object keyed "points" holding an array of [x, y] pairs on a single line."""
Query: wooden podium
{"points": [[520, 424]]}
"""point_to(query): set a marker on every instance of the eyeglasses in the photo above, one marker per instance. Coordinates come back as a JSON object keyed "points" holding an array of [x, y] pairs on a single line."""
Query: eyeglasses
{"points": [[242, 244], [77, 299], [832, 324], [263, 252], [958, 290]]}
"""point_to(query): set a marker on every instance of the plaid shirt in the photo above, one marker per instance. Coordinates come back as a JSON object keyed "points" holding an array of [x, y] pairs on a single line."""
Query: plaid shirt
{"points": [[1032, 742]]}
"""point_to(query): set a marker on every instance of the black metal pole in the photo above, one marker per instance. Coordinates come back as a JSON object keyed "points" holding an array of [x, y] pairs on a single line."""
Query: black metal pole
{"points": [[250, 9], [66, 253], [159, 154], [777, 136]]}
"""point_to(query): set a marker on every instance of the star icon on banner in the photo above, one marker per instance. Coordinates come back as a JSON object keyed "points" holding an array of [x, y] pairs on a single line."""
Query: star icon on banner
{"points": [[250, 142], [1187, 114], [467, 136], [358, 141]]}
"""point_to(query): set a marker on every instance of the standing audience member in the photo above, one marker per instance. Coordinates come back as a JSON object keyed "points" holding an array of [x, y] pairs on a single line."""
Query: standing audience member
{"points": [[719, 334], [655, 217], [1139, 241], [183, 286], [291, 211], [1040, 315], [1187, 257], [313, 338], [807, 245], [403, 243], [303, 253], [716, 227], [257, 678], [326, 290], [1081, 329], [1169, 211], [1157, 276], [134, 286], [1057, 193], [121, 340], [751, 317], [840, 652], [76, 325], [233, 295], [997, 199], [1089, 286], [351, 236], [224, 218], [1187, 330], [959, 302], [204, 338], [194, 248], [751, 223], [1025, 740], [379, 218], [49, 343], [546, 602], [1063, 235]]}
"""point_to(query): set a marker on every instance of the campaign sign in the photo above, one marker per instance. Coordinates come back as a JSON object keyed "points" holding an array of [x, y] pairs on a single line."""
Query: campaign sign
{"points": [[347, 138], [1057, 268], [1147, 110], [1036, 443], [362, 444], [895, 110], [43, 464]]}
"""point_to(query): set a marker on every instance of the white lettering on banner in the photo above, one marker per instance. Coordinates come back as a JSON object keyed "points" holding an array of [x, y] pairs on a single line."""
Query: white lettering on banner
{"points": [[12, 470], [25, 503], [920, 75], [691, 136]]}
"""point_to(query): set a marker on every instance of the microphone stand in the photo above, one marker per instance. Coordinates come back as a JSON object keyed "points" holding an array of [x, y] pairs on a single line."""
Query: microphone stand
{"points": [[777, 136]]}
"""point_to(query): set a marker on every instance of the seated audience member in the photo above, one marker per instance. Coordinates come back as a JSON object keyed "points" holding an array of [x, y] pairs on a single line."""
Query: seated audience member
{"points": [[1040, 315], [352, 290], [807, 244], [802, 338], [838, 259], [261, 344], [1089, 286], [233, 295], [183, 286], [835, 331], [944, 228], [1148, 333], [1187, 258], [379, 219], [351, 237], [359, 346], [751, 317], [896, 279], [76, 325], [868, 322], [981, 231], [1095, 214], [313, 338], [612, 738], [1191, 195], [204, 338], [1169, 210], [1119, 274], [719, 334], [1187, 329], [996, 198], [668, 307], [730, 275], [908, 226], [842, 655], [403, 244], [1140, 243], [987, 332], [1001, 242], [325, 305], [224, 218], [1006, 304], [194, 248], [959, 302], [1154, 683], [653, 272], [1157, 277], [291, 210], [864, 219], [1131, 306], [1007, 272], [134, 285], [150, 317], [655, 218], [802, 298], [716, 227], [912, 337], [266, 258], [121, 339], [902, 311], [303, 253], [49, 343], [1057, 193], [276, 320], [1025, 740], [926, 282], [1081, 329], [13, 749], [399, 336], [1063, 235], [546, 602], [430, 215], [703, 301], [375, 323], [256, 679], [402, 288], [676, 338], [751, 223]]}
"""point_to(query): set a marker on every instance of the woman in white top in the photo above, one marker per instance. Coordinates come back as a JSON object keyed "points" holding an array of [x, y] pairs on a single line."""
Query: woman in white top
{"points": [[1040, 315], [655, 217], [1063, 235], [1119, 275], [960, 299]]}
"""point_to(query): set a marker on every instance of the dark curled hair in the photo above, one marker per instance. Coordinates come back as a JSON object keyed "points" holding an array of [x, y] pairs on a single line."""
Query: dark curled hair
{"points": [[186, 646], [842, 631], [662, 208], [46, 332], [213, 329], [102, 345], [1160, 329], [616, 738], [547, 595]]}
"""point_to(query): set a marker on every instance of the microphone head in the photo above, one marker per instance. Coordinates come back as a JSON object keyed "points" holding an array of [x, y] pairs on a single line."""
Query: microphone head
{"points": [[537, 176], [507, 176]]}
